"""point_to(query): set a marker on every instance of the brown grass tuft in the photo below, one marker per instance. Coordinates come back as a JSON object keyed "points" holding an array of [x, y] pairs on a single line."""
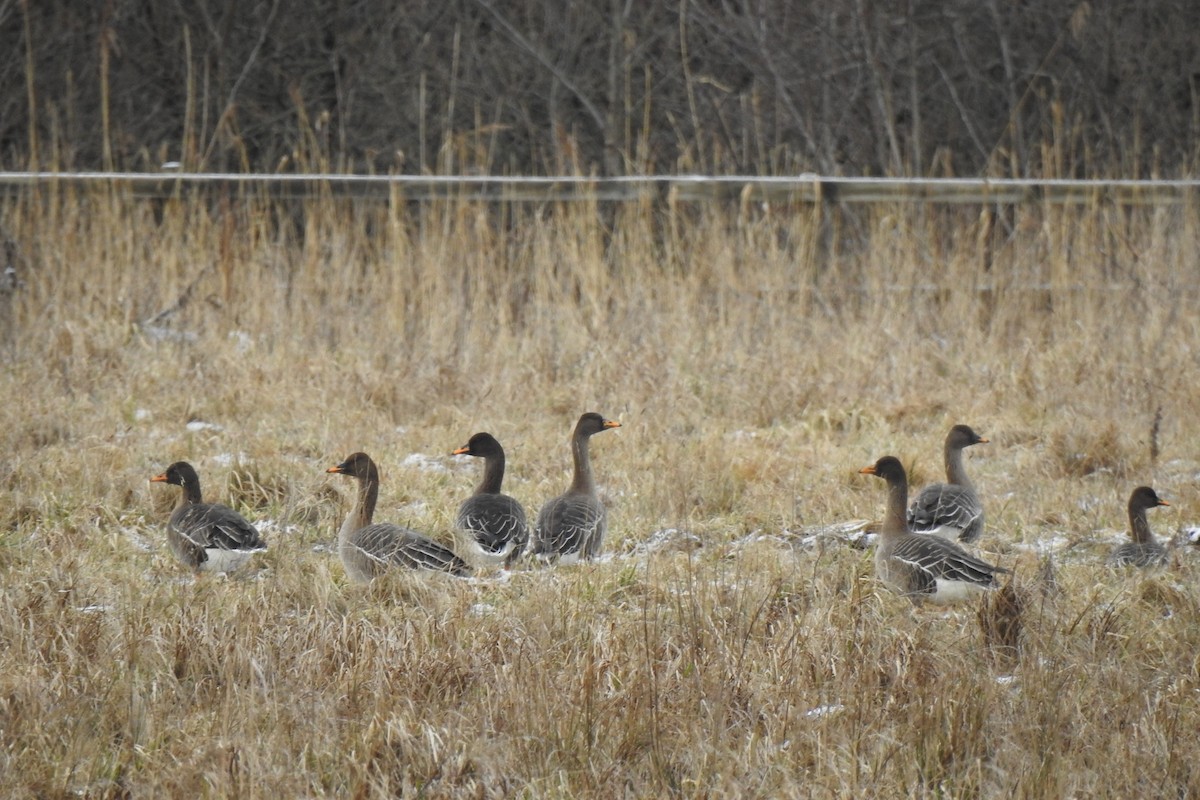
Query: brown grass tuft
{"points": [[1000, 615], [1081, 451]]}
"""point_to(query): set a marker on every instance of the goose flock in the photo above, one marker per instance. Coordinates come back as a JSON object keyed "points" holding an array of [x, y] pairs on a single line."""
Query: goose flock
{"points": [[920, 553], [490, 528]]}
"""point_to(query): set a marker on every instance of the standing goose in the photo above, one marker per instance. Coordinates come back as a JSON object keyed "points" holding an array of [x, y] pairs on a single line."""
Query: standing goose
{"points": [[207, 537], [369, 550], [490, 527], [918, 566], [572, 525], [951, 509], [1143, 551]]}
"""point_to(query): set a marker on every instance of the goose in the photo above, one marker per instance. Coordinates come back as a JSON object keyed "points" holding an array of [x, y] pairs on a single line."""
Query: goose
{"points": [[370, 549], [572, 525], [1143, 550], [951, 509], [490, 527], [206, 537], [919, 566]]}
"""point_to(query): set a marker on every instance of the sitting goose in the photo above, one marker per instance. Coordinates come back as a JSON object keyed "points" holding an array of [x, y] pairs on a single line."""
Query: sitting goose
{"points": [[951, 509], [572, 525], [367, 549], [490, 527], [207, 537], [918, 566], [1144, 550]]}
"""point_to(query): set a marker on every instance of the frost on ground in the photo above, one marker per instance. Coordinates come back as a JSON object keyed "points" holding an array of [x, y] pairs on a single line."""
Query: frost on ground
{"points": [[667, 540], [274, 526], [424, 463], [824, 711], [853, 533]]}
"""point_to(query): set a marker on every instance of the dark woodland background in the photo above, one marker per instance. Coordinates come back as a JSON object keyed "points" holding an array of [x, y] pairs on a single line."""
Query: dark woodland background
{"points": [[1007, 88]]}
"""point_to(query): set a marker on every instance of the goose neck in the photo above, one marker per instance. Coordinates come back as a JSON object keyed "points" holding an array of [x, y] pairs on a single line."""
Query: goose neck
{"points": [[583, 482], [956, 473], [493, 474], [1139, 526], [895, 521], [190, 494], [363, 510]]}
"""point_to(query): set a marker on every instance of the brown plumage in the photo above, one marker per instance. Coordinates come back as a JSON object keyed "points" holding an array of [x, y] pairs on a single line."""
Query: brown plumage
{"points": [[369, 549], [918, 566], [572, 525], [1143, 550], [951, 509], [490, 527], [207, 537]]}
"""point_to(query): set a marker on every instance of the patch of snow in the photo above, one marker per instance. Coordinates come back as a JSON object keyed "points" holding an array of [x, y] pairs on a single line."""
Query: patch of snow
{"points": [[461, 464], [483, 609], [1111, 536], [755, 536], [808, 542], [276, 527], [1045, 544], [196, 426], [142, 414], [156, 333], [242, 341], [138, 541], [93, 609], [497, 577], [425, 463], [670, 540], [852, 533], [824, 711]]}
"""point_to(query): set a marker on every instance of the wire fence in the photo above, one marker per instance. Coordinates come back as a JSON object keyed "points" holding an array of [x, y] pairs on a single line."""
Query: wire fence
{"points": [[682, 188]]}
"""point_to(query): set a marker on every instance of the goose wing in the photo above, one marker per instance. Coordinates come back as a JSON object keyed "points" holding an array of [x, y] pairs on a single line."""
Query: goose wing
{"points": [[570, 524], [496, 521], [208, 525], [392, 546], [941, 559], [1139, 554], [947, 506]]}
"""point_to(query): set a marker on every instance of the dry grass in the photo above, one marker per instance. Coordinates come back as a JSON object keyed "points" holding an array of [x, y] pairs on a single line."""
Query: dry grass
{"points": [[756, 360]]}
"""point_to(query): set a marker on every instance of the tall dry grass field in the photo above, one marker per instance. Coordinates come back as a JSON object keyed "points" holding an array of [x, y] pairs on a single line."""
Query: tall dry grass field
{"points": [[756, 358]]}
